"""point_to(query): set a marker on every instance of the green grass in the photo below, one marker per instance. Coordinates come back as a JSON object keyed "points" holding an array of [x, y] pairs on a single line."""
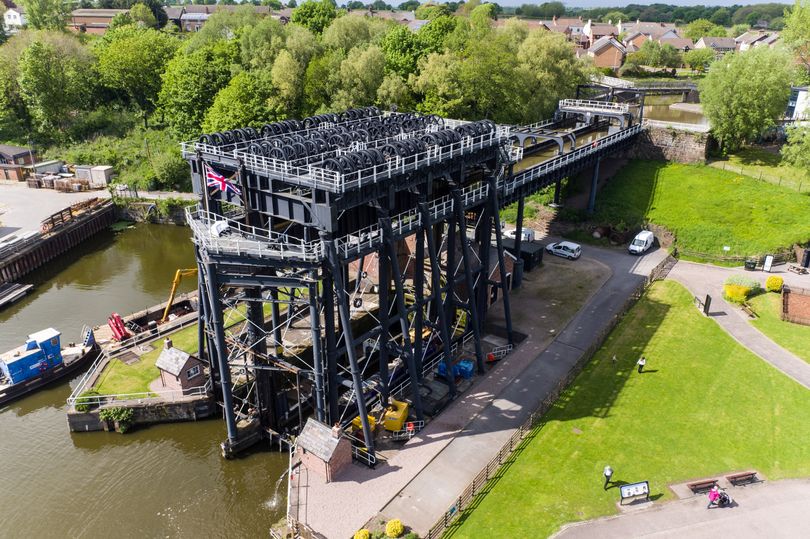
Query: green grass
{"points": [[767, 166], [706, 208], [707, 406], [790, 336]]}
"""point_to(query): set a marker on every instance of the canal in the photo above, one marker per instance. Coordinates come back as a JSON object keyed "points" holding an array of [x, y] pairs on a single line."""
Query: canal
{"points": [[166, 480]]}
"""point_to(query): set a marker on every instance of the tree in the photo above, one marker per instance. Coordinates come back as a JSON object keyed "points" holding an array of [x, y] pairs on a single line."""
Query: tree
{"points": [[433, 35], [614, 17], [402, 50], [703, 28], [796, 34], [410, 5], [275, 5], [240, 104], [315, 15], [261, 43], [292, 4], [721, 17], [744, 94], [483, 15], [349, 31], [132, 59], [119, 20], [287, 77], [191, 82], [46, 14], [51, 84], [738, 30], [355, 4], [797, 150], [394, 91], [321, 81], [699, 59], [430, 11], [141, 14], [361, 74], [223, 25]]}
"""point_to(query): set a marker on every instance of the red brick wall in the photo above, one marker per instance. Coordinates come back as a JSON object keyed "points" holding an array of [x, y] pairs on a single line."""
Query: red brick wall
{"points": [[796, 305]]}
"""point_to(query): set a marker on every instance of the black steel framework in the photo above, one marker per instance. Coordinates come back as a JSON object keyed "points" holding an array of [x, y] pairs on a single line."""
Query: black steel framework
{"points": [[343, 257]]}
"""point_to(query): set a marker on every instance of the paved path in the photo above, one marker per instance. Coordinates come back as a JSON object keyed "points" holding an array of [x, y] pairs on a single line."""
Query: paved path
{"points": [[701, 279], [423, 501], [771, 509]]}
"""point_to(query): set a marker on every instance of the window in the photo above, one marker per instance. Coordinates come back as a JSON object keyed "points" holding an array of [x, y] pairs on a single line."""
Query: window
{"points": [[192, 372], [54, 342]]}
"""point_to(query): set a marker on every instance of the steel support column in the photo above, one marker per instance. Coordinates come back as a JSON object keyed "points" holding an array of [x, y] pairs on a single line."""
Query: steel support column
{"points": [[383, 289], [517, 278], [317, 357], [419, 294], [507, 311], [594, 185], [328, 301]]}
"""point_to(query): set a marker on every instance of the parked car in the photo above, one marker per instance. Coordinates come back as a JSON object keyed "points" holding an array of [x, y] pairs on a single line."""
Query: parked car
{"points": [[565, 249], [641, 243], [527, 234]]}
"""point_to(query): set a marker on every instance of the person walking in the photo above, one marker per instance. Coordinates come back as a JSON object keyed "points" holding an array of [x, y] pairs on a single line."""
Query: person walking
{"points": [[641, 362], [615, 361], [714, 495], [608, 474]]}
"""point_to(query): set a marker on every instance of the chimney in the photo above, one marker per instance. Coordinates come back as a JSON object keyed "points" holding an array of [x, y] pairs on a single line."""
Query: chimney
{"points": [[336, 431], [167, 343], [554, 19]]}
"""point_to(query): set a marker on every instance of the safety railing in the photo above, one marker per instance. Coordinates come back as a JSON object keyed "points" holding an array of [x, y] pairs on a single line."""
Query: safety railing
{"points": [[500, 352], [361, 454], [170, 395], [698, 128], [235, 238], [412, 428], [589, 105], [613, 81]]}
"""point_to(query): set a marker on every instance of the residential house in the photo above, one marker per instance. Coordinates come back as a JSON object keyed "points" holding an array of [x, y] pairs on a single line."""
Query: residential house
{"points": [[653, 33], [607, 52], [532, 24], [192, 22], [14, 19], [571, 27], [798, 108], [756, 38], [655, 29], [682, 44], [595, 31], [179, 370], [173, 14], [720, 45], [92, 21], [16, 155]]}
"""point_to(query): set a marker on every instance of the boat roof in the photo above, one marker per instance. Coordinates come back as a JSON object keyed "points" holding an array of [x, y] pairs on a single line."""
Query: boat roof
{"points": [[44, 335], [17, 354]]}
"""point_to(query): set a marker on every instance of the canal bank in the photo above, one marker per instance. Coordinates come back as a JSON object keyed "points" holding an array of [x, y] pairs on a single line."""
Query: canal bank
{"points": [[165, 480]]}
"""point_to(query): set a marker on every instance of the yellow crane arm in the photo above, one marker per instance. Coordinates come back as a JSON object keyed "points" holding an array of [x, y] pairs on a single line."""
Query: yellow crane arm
{"points": [[178, 276]]}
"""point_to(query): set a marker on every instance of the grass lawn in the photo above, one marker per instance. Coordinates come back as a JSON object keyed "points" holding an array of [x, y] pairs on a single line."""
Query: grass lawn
{"points": [[706, 208], [706, 406], [792, 337], [766, 165]]}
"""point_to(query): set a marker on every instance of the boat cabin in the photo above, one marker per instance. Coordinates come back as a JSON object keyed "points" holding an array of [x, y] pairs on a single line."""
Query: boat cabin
{"points": [[41, 352]]}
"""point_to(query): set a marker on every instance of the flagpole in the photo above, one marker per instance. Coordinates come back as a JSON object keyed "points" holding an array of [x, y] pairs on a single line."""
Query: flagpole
{"points": [[203, 181]]}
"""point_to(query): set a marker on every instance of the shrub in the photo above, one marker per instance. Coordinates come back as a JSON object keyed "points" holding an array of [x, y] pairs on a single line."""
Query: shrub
{"points": [[394, 528], [123, 416], [774, 283], [362, 534], [83, 406], [738, 288]]}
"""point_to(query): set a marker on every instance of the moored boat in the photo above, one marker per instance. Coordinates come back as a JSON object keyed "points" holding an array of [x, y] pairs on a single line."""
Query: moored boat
{"points": [[41, 361]]}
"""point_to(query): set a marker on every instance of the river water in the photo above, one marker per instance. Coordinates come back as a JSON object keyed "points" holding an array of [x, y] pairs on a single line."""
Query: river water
{"points": [[161, 481]]}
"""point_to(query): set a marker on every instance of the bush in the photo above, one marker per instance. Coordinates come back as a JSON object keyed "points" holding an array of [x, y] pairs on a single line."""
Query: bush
{"points": [[738, 288], [362, 534], [123, 416], [774, 283], [394, 528], [85, 407]]}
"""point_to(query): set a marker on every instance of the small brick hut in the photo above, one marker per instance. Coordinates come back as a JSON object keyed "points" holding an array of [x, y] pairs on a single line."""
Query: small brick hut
{"points": [[179, 370], [323, 450]]}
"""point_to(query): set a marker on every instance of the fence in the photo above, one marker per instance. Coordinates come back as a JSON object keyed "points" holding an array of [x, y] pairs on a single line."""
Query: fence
{"points": [[516, 440], [795, 183], [778, 258]]}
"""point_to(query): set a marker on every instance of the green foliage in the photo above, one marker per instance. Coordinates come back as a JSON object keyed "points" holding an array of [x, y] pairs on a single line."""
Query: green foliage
{"points": [[260, 44], [744, 94], [351, 31], [394, 528], [614, 17], [315, 15], [703, 28], [699, 59], [797, 150], [738, 30], [46, 14], [430, 11], [85, 406], [774, 283], [143, 16], [362, 534], [402, 49], [721, 17], [796, 34], [131, 59], [223, 26], [361, 74], [788, 335], [654, 54], [739, 288], [433, 35], [749, 216], [124, 416], [243, 102], [697, 363]]}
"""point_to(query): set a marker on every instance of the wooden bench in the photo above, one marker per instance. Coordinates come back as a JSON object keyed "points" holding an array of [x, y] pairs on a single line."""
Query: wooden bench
{"points": [[797, 269], [748, 310], [742, 477], [700, 487]]}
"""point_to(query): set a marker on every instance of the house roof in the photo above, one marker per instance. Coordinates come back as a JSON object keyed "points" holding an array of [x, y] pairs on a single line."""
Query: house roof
{"points": [[602, 28], [751, 37], [173, 12], [770, 40], [719, 42], [317, 438], [172, 360], [604, 42], [679, 43], [415, 25], [194, 16], [12, 151], [565, 22]]}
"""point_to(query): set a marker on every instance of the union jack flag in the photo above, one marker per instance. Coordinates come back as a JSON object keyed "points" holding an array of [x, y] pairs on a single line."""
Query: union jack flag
{"points": [[219, 181]]}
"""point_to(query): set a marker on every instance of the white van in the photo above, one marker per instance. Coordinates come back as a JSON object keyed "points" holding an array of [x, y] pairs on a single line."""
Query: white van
{"points": [[641, 243], [526, 233]]}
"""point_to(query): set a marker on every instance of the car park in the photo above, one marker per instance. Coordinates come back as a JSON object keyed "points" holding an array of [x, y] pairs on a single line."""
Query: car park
{"points": [[565, 249], [641, 243]]}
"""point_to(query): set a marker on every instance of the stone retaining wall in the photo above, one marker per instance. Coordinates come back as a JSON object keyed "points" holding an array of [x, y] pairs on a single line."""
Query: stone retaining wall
{"points": [[190, 409], [669, 144]]}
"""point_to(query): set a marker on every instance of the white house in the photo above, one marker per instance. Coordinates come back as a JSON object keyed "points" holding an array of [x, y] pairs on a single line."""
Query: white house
{"points": [[14, 19]]}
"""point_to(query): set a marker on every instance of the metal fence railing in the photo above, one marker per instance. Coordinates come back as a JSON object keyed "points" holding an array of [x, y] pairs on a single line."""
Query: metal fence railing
{"points": [[796, 182], [527, 427]]}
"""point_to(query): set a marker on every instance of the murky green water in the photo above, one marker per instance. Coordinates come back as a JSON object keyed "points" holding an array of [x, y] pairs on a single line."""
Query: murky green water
{"points": [[163, 481]]}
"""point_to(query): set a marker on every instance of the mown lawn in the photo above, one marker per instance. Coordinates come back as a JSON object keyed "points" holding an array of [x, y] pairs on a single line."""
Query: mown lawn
{"points": [[766, 165], [706, 208], [792, 337], [706, 406]]}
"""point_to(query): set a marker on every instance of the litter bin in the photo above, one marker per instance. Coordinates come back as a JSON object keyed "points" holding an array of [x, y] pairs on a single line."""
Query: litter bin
{"points": [[806, 258], [750, 265]]}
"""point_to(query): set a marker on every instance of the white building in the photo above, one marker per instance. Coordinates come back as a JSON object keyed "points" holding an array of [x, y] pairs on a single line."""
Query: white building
{"points": [[14, 19], [798, 108]]}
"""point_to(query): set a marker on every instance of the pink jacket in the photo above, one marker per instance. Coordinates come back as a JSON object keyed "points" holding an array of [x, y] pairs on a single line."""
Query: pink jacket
{"points": [[713, 495]]}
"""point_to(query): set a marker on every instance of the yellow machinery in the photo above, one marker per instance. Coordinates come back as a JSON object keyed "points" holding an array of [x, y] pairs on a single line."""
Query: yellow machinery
{"points": [[395, 415], [178, 276], [358, 425]]}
